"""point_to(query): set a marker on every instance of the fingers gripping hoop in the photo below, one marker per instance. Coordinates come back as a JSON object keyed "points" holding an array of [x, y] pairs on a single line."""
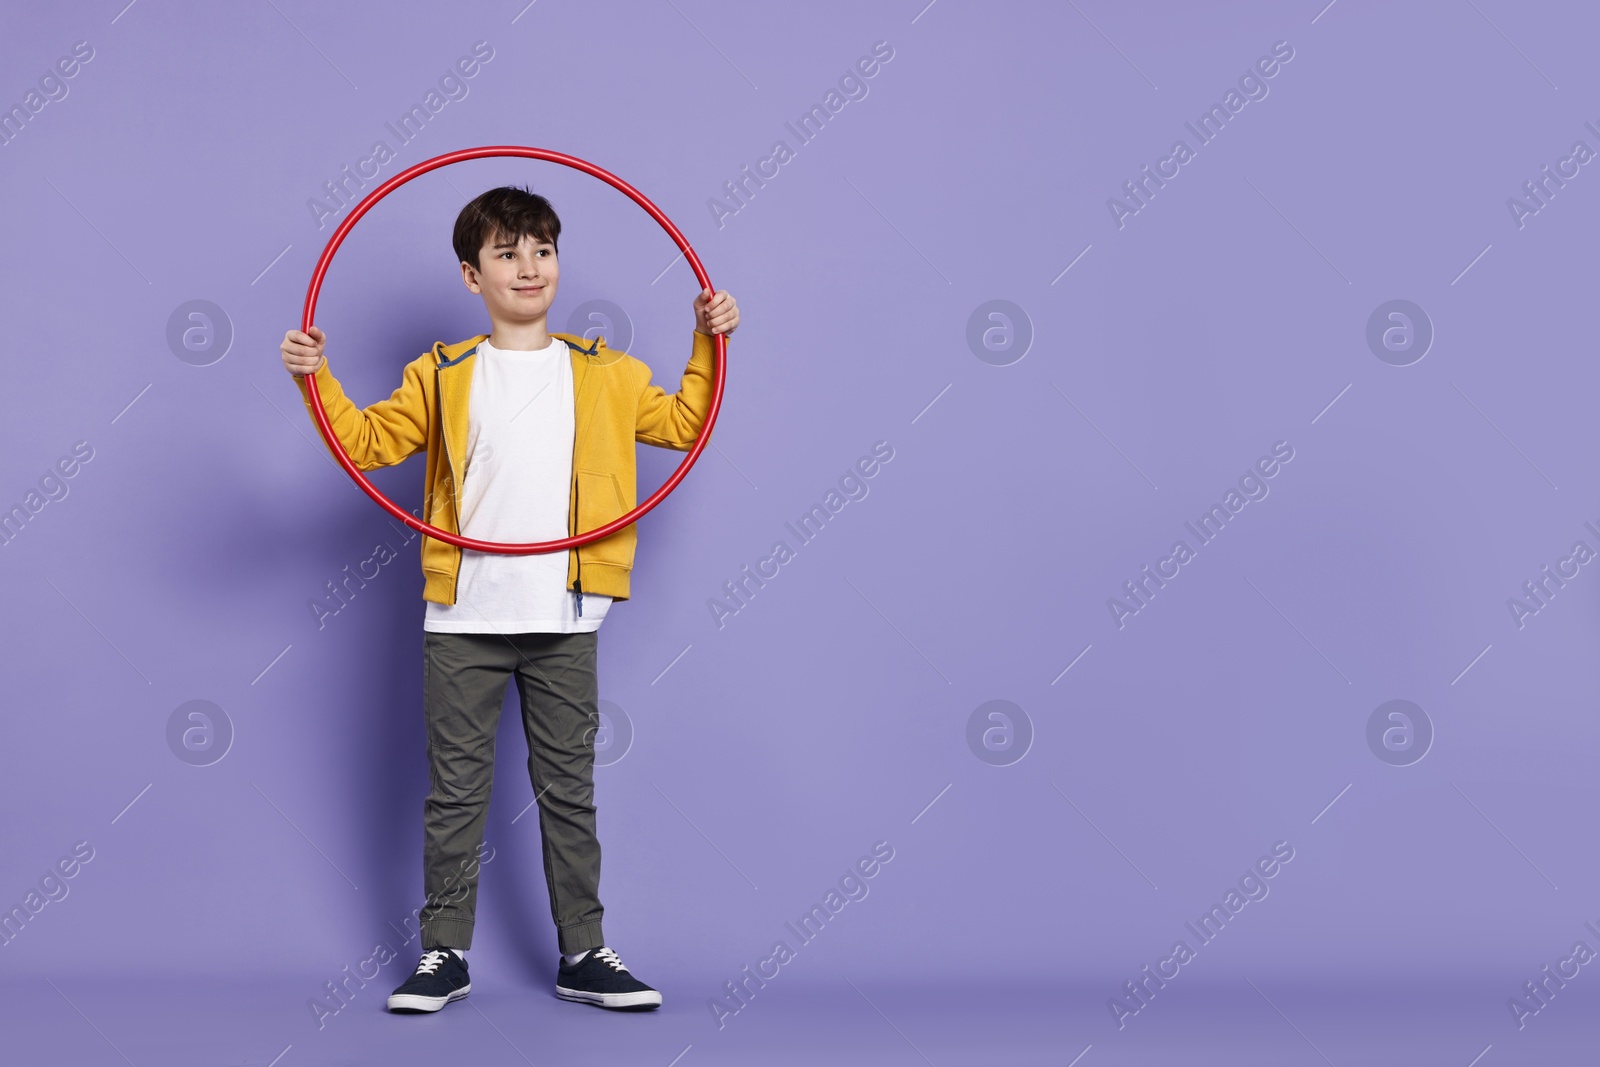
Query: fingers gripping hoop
{"points": [[405, 516]]}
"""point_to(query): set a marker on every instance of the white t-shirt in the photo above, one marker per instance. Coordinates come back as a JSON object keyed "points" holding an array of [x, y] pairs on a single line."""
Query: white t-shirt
{"points": [[516, 482]]}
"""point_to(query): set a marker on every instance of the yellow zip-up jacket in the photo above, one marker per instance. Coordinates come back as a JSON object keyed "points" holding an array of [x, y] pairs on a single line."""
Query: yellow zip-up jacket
{"points": [[615, 405]]}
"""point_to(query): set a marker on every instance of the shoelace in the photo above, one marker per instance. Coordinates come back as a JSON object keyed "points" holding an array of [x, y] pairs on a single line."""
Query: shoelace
{"points": [[610, 956], [431, 960]]}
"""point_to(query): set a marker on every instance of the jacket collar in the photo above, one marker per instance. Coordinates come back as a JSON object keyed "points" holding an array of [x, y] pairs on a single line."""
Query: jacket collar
{"points": [[450, 355]]}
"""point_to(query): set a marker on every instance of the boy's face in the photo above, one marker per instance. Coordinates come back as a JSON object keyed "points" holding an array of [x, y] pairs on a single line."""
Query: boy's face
{"points": [[516, 280]]}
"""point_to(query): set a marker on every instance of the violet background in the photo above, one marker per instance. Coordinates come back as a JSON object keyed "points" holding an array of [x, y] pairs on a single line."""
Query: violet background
{"points": [[832, 711]]}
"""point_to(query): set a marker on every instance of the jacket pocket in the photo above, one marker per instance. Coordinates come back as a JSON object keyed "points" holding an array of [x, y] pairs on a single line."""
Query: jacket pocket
{"points": [[599, 502]]}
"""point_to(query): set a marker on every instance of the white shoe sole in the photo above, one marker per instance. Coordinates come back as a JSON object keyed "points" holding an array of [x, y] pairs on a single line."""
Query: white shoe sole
{"points": [[413, 1002], [644, 998]]}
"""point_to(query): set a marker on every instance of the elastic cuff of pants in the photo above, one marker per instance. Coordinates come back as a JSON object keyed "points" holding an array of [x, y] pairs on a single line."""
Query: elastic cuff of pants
{"points": [[577, 938], [447, 933]]}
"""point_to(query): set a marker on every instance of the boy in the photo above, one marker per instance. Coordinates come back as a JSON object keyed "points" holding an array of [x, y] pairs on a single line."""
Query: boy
{"points": [[529, 437]]}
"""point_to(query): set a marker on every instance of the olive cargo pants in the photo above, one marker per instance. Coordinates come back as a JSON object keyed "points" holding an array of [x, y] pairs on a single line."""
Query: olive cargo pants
{"points": [[464, 683]]}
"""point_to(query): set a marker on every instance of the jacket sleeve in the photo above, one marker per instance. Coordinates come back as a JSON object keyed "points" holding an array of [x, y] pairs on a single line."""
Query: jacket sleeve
{"points": [[674, 420], [382, 434]]}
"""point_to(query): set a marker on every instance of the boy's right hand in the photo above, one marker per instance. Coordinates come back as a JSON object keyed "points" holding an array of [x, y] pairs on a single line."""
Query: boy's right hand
{"points": [[302, 352]]}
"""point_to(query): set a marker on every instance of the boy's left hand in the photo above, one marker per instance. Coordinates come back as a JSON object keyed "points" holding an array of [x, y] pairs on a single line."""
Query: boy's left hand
{"points": [[715, 313]]}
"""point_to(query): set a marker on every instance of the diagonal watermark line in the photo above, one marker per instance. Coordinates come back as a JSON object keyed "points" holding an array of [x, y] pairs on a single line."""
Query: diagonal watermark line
{"points": [[734, 465], [531, 803], [124, 11], [130, 804], [668, 667], [1299, 631], [1323, 12], [897, 229], [530, 400], [1330, 804], [1474, 263], [302, 833], [523, 12], [890, 1021], [90, 1021], [899, 631], [1102, 433], [702, 833], [1299, 231], [1069, 666], [1332, 402], [280, 1055], [130, 404], [313, 44], [463, 197], [1102, 833], [1290, 1021], [1080, 1055], [271, 665], [1113, 44], [101, 232], [321, 450], [502, 1034], [924, 11], [1513, 44], [930, 804], [713, 44], [274, 263], [1480, 1055], [1502, 433], [1502, 833], [1469, 666], [1069, 266], [680, 1055], [99, 631], [668, 267], [930, 404]]}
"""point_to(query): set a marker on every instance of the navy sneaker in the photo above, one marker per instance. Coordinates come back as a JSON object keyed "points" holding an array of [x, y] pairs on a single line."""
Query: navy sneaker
{"points": [[601, 979], [441, 977]]}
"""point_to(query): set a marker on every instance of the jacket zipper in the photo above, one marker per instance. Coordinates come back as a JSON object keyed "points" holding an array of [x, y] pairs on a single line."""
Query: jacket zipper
{"points": [[455, 488], [572, 526], [577, 582]]}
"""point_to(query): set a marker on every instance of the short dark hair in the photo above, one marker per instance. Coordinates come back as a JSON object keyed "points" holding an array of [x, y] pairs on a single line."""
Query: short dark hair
{"points": [[507, 213]]}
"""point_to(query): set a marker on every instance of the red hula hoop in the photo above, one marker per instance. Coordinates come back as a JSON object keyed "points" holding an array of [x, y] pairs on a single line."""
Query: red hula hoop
{"points": [[400, 513]]}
